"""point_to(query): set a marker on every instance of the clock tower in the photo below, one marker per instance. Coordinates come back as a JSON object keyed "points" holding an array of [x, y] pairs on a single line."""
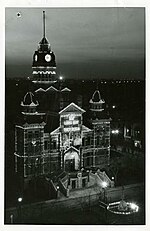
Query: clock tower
{"points": [[44, 65]]}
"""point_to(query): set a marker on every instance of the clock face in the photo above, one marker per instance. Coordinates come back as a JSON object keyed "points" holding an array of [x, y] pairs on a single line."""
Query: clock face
{"points": [[47, 58], [35, 57]]}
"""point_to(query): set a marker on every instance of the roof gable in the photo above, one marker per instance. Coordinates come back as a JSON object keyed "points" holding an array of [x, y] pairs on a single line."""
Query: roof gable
{"points": [[71, 149], [40, 90], [56, 131], [85, 129], [72, 107], [51, 88], [65, 89]]}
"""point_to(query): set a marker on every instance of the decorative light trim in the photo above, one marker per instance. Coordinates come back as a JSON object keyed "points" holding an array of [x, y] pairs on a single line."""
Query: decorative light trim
{"points": [[44, 72], [44, 81], [74, 105], [40, 89], [34, 113], [71, 148], [51, 88], [133, 208], [42, 67], [66, 89], [96, 109]]}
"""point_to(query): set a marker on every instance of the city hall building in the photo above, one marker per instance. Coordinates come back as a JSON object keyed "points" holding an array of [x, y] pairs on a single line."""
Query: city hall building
{"points": [[72, 146]]}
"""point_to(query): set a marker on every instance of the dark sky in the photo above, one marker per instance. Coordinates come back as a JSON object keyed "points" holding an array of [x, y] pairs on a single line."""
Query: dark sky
{"points": [[88, 42]]}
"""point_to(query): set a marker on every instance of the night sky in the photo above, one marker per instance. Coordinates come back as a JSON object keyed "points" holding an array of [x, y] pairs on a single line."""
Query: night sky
{"points": [[101, 43]]}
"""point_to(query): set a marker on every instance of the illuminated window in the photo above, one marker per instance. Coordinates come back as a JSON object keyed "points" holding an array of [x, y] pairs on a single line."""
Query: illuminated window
{"points": [[137, 144], [127, 131]]}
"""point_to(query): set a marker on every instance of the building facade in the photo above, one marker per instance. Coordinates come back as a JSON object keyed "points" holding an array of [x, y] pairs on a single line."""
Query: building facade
{"points": [[71, 146]]}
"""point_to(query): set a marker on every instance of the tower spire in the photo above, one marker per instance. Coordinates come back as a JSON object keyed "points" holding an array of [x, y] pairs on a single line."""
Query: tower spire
{"points": [[44, 24]]}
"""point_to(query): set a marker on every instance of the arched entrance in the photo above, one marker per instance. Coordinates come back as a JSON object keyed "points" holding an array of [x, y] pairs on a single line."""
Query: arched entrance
{"points": [[71, 160], [70, 165]]}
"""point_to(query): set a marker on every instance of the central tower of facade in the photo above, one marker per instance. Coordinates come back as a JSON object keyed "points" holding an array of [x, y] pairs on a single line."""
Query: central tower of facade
{"points": [[44, 65]]}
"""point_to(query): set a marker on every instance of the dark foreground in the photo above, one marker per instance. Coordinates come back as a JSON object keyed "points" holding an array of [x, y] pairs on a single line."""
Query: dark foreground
{"points": [[93, 215]]}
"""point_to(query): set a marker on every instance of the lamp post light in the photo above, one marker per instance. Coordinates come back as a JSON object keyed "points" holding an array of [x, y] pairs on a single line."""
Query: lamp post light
{"points": [[20, 199], [60, 78], [57, 191], [112, 181], [104, 186], [19, 208], [11, 219]]}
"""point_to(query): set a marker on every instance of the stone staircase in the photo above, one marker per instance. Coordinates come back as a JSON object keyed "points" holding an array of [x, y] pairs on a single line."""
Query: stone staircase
{"points": [[99, 178]]}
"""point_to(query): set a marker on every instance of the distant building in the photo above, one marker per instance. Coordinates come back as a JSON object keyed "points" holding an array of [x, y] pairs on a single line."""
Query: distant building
{"points": [[127, 137]]}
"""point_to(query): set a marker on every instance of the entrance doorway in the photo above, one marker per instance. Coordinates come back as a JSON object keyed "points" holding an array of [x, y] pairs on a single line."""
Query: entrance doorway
{"points": [[71, 160], [83, 183], [73, 184], [70, 165]]}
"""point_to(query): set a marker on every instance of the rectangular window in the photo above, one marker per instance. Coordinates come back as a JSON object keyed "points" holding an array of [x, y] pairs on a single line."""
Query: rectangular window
{"points": [[45, 145], [29, 135], [54, 144], [36, 134]]}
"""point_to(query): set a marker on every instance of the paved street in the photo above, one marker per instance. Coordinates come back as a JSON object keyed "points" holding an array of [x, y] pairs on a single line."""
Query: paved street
{"points": [[82, 207], [93, 215]]}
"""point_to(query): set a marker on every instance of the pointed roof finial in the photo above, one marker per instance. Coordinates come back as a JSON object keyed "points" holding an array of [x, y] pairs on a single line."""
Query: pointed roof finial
{"points": [[44, 24]]}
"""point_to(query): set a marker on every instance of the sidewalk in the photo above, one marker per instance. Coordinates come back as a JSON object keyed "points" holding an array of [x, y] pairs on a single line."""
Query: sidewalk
{"points": [[93, 190]]}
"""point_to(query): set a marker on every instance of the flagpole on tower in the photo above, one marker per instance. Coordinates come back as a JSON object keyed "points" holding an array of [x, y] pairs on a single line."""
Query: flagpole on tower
{"points": [[44, 24]]}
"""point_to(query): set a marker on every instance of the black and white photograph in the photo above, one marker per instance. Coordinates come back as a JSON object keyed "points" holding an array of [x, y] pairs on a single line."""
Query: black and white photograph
{"points": [[75, 81]]}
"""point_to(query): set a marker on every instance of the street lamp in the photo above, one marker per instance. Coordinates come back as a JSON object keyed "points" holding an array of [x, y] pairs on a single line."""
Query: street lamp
{"points": [[19, 208], [60, 78], [11, 219], [20, 199], [57, 191], [104, 185]]}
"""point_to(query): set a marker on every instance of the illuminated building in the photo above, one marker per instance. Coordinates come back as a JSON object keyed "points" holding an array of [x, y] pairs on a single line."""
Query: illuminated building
{"points": [[96, 144], [70, 147], [29, 140], [70, 134], [127, 137]]}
